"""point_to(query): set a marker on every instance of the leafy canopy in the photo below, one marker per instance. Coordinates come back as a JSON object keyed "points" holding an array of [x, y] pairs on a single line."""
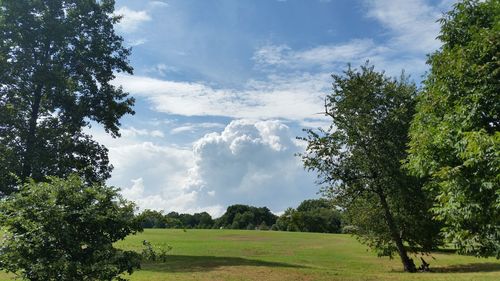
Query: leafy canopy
{"points": [[358, 160], [57, 59], [455, 136], [65, 230]]}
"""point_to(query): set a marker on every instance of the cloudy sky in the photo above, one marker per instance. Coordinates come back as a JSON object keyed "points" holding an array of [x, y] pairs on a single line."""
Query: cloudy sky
{"points": [[224, 87]]}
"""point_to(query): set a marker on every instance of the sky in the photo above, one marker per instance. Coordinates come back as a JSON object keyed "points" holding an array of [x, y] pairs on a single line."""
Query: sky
{"points": [[223, 88]]}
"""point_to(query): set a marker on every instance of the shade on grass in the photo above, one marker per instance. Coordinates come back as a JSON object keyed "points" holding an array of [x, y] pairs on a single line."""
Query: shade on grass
{"points": [[269, 255]]}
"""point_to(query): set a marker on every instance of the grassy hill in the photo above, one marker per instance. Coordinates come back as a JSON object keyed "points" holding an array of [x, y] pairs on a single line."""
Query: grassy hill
{"points": [[268, 255]]}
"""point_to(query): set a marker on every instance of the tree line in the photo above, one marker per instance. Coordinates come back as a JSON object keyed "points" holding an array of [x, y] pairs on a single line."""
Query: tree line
{"points": [[314, 215]]}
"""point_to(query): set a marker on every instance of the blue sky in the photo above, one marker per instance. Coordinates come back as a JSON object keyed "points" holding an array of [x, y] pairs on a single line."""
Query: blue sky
{"points": [[223, 87]]}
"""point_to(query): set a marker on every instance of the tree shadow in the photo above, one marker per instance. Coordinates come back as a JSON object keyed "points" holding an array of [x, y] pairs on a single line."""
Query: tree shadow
{"points": [[182, 263], [470, 267]]}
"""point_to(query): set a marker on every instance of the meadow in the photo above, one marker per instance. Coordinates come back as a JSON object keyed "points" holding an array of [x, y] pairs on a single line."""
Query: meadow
{"points": [[273, 255]]}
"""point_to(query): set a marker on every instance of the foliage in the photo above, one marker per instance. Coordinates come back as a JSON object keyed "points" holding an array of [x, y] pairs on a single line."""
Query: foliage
{"points": [[155, 253], [57, 59], [314, 215], [155, 219], [240, 216], [65, 230], [152, 219], [455, 137], [358, 160]]}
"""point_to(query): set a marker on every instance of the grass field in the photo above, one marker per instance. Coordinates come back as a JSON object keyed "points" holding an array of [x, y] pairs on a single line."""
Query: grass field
{"points": [[268, 255]]}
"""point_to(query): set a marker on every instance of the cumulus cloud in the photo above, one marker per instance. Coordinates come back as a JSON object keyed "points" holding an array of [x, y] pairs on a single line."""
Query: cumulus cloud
{"points": [[131, 19], [249, 162]]}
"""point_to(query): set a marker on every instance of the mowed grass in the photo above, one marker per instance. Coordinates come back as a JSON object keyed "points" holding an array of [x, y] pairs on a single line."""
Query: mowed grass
{"points": [[268, 255]]}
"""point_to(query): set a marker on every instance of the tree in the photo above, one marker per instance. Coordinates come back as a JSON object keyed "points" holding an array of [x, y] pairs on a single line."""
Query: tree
{"points": [[314, 204], [152, 219], [65, 230], [455, 136], [358, 160], [57, 59], [313, 215], [239, 216]]}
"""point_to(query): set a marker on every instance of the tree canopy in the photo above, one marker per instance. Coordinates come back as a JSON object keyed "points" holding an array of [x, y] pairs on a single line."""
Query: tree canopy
{"points": [[455, 136], [358, 160], [313, 215], [65, 230], [57, 60], [241, 216]]}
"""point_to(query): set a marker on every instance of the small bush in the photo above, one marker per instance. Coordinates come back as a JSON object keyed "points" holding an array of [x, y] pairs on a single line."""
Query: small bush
{"points": [[155, 253]]}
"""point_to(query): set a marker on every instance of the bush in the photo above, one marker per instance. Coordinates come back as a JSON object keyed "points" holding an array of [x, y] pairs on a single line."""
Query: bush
{"points": [[65, 230], [155, 253], [263, 226], [349, 229]]}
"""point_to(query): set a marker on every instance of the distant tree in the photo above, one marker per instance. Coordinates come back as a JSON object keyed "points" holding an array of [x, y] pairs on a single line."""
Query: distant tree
{"points": [[358, 160], [57, 59], [65, 230], [240, 216], [152, 219], [314, 215], [205, 221], [455, 135], [314, 204], [287, 221], [263, 226], [173, 222]]}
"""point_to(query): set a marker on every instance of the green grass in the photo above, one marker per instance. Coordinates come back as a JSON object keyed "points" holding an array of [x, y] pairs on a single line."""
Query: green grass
{"points": [[268, 255]]}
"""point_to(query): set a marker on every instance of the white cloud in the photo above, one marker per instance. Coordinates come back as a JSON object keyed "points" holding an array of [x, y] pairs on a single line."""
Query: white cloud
{"points": [[412, 24], [192, 127], [272, 54], [160, 4], [133, 132], [293, 98], [325, 56], [411, 31], [137, 42], [162, 69], [249, 162], [131, 19]]}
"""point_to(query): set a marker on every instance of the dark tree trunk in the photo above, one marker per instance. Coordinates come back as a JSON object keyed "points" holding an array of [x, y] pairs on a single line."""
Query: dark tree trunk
{"points": [[30, 138], [408, 264]]}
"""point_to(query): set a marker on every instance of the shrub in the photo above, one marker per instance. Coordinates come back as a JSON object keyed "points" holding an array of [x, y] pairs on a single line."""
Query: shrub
{"points": [[65, 230], [155, 253]]}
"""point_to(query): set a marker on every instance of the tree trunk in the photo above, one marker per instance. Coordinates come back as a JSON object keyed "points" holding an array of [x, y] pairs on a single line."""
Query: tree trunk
{"points": [[408, 264], [30, 138]]}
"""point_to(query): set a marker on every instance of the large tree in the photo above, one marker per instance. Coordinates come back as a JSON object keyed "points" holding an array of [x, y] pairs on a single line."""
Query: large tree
{"points": [[358, 160], [455, 136], [57, 59]]}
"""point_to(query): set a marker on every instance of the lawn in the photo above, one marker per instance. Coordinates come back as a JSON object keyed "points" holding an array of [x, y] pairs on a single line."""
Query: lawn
{"points": [[268, 255]]}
